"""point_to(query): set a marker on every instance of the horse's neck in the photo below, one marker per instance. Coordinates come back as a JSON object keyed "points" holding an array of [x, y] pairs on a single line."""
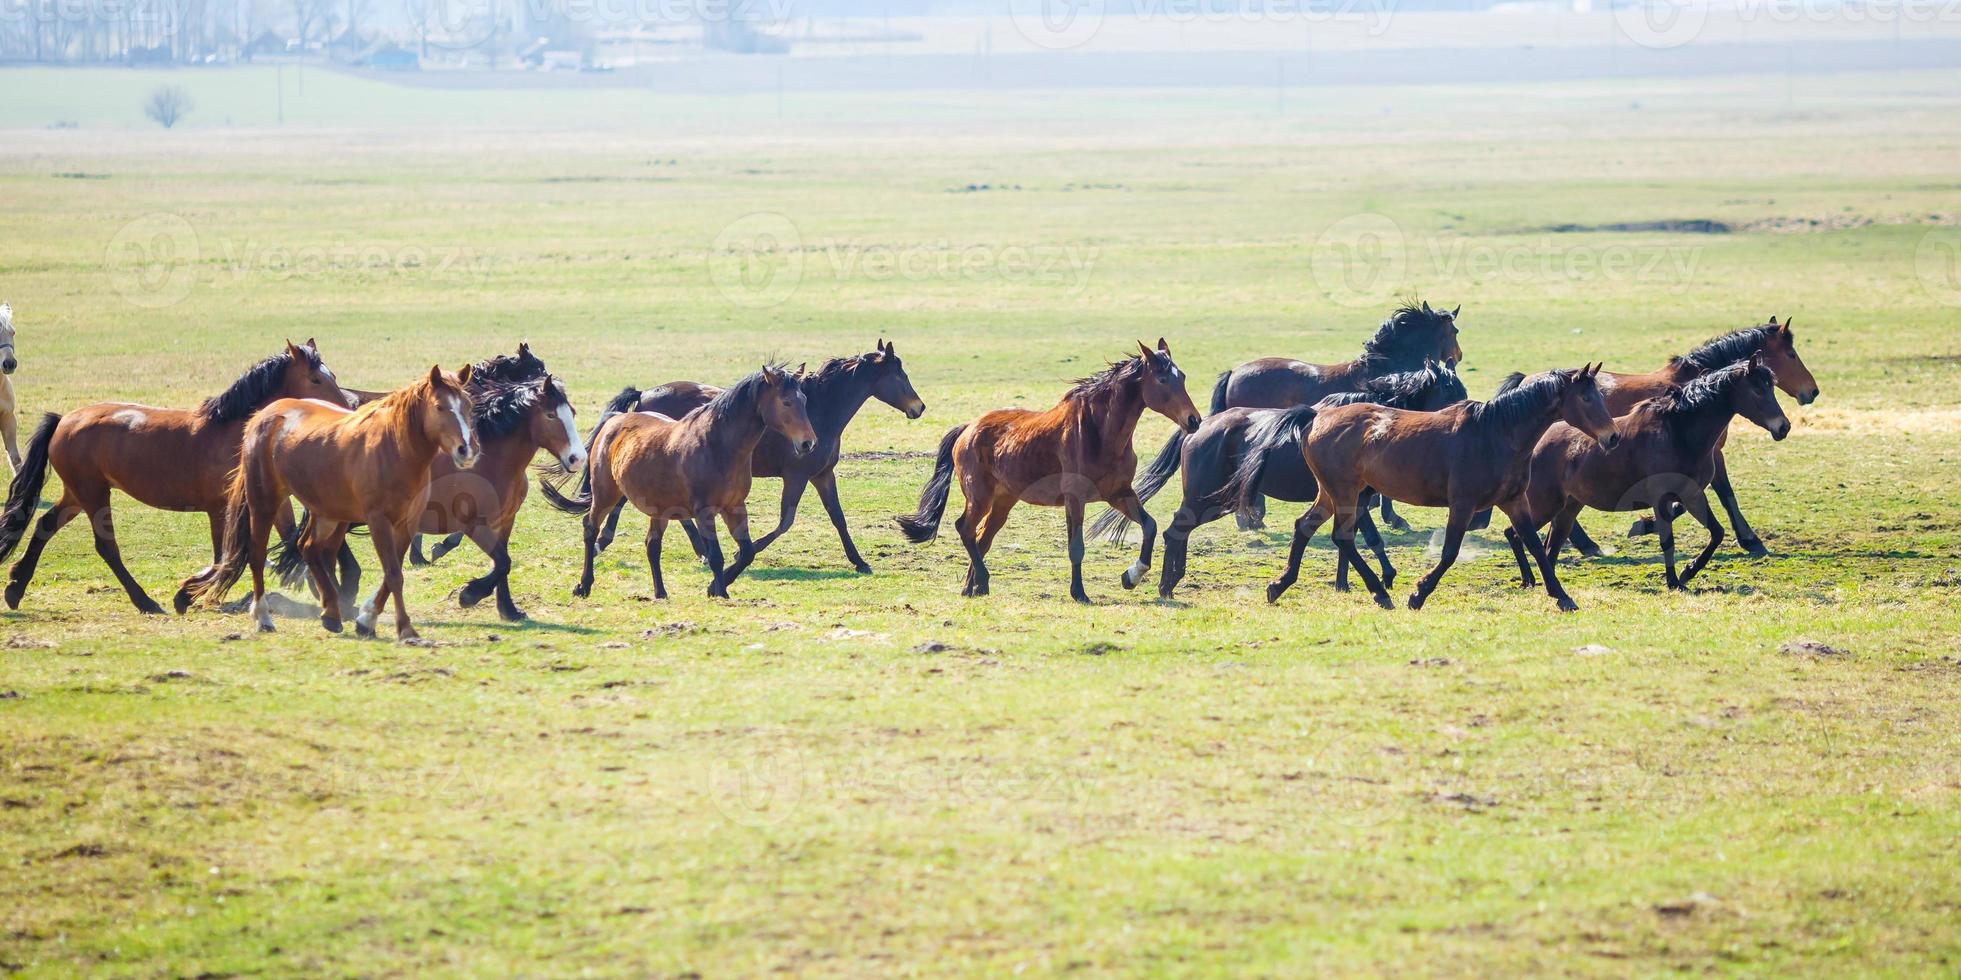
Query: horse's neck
{"points": [[1680, 371], [735, 434], [1113, 415], [1521, 435], [834, 405], [1697, 431]]}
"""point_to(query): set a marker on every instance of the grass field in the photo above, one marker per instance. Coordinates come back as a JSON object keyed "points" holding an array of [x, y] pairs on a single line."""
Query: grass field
{"points": [[788, 781]]}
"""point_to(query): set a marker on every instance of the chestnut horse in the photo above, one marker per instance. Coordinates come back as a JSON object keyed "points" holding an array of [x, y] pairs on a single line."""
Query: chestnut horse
{"points": [[1667, 454], [695, 467], [513, 420], [1412, 335], [836, 391], [1778, 346], [1466, 457], [1073, 454], [1260, 448], [362, 466], [9, 409], [166, 458]]}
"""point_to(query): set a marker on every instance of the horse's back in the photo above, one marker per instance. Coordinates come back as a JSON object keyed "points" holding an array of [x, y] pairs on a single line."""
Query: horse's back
{"points": [[123, 444], [677, 398], [1283, 382]]}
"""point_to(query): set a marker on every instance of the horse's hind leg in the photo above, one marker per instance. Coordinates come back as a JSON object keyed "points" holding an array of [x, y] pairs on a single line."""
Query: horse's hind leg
{"points": [[1697, 507], [1127, 503], [793, 488], [1344, 535], [612, 524], [51, 522], [656, 532], [826, 485], [318, 550], [1726, 493], [445, 546], [1522, 525], [103, 521], [711, 547], [415, 551], [1525, 577], [1460, 521], [1072, 515], [737, 519], [1392, 520], [1304, 528], [1374, 539], [1583, 542]]}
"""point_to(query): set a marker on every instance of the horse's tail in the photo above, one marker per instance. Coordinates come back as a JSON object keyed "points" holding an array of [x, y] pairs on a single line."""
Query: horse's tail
{"points": [[24, 495], [1278, 433], [1219, 393], [211, 584], [623, 402], [580, 502], [1511, 381], [286, 560], [924, 525], [1112, 524]]}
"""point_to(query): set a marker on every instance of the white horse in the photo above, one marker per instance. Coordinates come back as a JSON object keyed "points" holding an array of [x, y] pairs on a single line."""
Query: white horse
{"points": [[8, 362]]}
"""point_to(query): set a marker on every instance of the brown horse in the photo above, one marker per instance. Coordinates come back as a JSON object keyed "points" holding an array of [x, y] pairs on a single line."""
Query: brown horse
{"points": [[1467, 457], [1667, 454], [364, 466], [166, 458], [514, 420], [1412, 335], [1073, 454], [695, 467], [836, 391], [1778, 346]]}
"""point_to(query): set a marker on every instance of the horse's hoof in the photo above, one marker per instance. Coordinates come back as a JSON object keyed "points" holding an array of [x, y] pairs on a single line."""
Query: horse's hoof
{"points": [[1340, 586], [1388, 580], [468, 599], [1641, 528], [518, 615], [582, 591], [149, 607], [330, 625], [1398, 525], [1591, 552], [862, 568], [265, 627], [1416, 600], [363, 630], [1273, 592], [1382, 599], [1566, 604], [407, 636], [180, 602], [1134, 574], [14, 592], [1164, 595], [1755, 548]]}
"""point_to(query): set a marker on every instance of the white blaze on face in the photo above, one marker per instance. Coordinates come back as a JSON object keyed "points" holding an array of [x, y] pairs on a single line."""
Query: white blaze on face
{"points": [[575, 454], [467, 448]]}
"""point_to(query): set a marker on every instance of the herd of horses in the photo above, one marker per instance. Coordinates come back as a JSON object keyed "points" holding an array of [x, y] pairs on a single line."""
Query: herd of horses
{"points": [[450, 455]]}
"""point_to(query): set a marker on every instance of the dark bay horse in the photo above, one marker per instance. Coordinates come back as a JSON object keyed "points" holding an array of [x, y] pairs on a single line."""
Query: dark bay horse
{"points": [[1667, 454], [694, 467], [1775, 342], [513, 420], [1260, 448], [1466, 457], [166, 458], [362, 466], [1413, 334], [1069, 456], [835, 391]]}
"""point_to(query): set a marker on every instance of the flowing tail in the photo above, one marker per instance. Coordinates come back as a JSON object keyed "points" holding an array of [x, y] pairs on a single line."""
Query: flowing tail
{"points": [[628, 397], [1112, 525], [1277, 433], [924, 525], [211, 584], [286, 562], [24, 495], [580, 502]]}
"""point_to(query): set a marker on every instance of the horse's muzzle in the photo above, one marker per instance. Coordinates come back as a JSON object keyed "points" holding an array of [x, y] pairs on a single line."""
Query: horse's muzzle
{"points": [[1191, 423], [7, 366], [1804, 399], [573, 460], [1783, 429], [804, 447], [1613, 439], [464, 458], [917, 409]]}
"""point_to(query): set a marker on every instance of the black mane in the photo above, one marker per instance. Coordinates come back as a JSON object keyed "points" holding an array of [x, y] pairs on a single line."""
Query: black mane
{"points": [[503, 406], [1119, 372], [1408, 337], [521, 366], [1522, 402], [1727, 349], [736, 398], [1404, 389], [254, 388], [1713, 389]]}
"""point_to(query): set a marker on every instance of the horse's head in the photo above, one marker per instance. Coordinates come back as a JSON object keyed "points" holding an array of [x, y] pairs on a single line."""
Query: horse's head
{"points": [[1164, 387], [446, 410], [8, 361], [307, 376], [889, 382], [1448, 346], [1754, 396], [1444, 387], [784, 408], [1581, 406], [1780, 355], [552, 427]]}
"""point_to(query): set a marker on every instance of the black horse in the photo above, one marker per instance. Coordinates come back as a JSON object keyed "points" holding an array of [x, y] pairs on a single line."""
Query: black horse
{"points": [[835, 392], [1413, 335], [1262, 446]]}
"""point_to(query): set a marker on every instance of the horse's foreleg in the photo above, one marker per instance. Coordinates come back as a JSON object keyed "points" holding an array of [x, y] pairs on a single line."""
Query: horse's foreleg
{"points": [[445, 546], [711, 547], [612, 524], [415, 551], [1392, 520], [1126, 503], [1525, 577], [1583, 542], [656, 531], [1177, 540], [9, 430], [1344, 535], [1726, 493], [694, 539], [737, 520], [1664, 518], [103, 521], [1697, 506], [1304, 528], [1072, 514], [968, 527], [317, 550], [1374, 539], [51, 522], [827, 491], [382, 534], [391, 546], [793, 487], [1522, 525], [1460, 521]]}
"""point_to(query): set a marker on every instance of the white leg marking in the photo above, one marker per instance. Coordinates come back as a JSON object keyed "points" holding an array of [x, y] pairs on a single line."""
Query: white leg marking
{"points": [[364, 621]]}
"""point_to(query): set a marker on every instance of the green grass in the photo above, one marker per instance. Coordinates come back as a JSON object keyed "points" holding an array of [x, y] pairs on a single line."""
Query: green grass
{"points": [[784, 781]]}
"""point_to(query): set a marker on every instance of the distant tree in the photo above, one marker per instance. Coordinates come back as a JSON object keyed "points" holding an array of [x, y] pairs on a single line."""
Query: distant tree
{"points": [[167, 105]]}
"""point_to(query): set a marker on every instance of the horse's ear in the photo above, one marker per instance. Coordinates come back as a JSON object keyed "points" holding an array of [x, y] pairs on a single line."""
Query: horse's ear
{"points": [[1454, 309], [800, 369], [1772, 321], [436, 379], [310, 342], [1144, 349], [463, 376], [1450, 364], [1426, 306], [1786, 327], [1163, 346]]}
